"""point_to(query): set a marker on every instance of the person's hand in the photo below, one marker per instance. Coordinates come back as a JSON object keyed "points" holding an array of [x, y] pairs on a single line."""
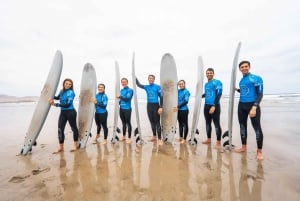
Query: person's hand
{"points": [[212, 109], [175, 109], [93, 100], [159, 111], [252, 112], [51, 101]]}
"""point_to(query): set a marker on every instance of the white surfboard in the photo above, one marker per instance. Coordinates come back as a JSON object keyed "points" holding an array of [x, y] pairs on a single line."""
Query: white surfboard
{"points": [[228, 134], [86, 108], [116, 130], [137, 131], [168, 83], [198, 101], [43, 106]]}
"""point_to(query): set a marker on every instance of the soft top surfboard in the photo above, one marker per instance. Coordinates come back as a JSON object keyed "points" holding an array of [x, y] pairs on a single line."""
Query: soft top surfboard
{"points": [[198, 101], [86, 108], [228, 142], [42, 108], [137, 131], [168, 82], [116, 130]]}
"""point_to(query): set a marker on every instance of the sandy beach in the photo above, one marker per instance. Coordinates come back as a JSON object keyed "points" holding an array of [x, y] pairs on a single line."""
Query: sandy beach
{"points": [[172, 172]]}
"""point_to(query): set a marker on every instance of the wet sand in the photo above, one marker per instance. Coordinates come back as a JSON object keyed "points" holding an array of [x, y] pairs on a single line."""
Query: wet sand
{"points": [[171, 172]]}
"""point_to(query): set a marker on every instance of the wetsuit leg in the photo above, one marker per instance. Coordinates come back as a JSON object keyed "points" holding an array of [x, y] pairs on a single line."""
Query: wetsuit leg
{"points": [[216, 120], [72, 115], [255, 121], [152, 116], [98, 123], [62, 121], [208, 120], [180, 122], [103, 122], [127, 115], [123, 119], [243, 111]]}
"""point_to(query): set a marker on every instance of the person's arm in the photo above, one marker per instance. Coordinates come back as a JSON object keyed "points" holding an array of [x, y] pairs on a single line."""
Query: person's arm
{"points": [[218, 96], [64, 105], [128, 96], [139, 84], [102, 103], [259, 96]]}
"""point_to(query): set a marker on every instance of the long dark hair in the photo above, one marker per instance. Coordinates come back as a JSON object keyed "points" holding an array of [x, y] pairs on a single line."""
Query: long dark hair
{"points": [[65, 80]]}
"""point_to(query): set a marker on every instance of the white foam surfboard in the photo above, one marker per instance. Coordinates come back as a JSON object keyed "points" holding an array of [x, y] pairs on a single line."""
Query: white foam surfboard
{"points": [[228, 142], [137, 132], [42, 108], [168, 82], [198, 101], [86, 108], [116, 130]]}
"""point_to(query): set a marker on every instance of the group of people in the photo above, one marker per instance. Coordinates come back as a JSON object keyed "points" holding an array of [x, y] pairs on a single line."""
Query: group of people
{"points": [[250, 89]]}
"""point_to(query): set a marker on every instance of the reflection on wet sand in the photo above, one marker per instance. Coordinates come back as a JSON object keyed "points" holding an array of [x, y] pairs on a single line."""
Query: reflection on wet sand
{"points": [[250, 184]]}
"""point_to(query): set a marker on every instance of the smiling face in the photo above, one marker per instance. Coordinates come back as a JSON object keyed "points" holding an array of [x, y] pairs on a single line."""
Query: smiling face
{"points": [[101, 88], [245, 68], [151, 79], [68, 84], [181, 84], [124, 82], [210, 74]]}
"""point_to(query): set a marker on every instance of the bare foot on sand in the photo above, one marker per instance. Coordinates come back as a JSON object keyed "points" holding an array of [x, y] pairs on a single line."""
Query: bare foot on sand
{"points": [[153, 139], [179, 139], [104, 142], [160, 142], [123, 138], [60, 149], [242, 149], [182, 141], [259, 155], [218, 145], [208, 141], [128, 141]]}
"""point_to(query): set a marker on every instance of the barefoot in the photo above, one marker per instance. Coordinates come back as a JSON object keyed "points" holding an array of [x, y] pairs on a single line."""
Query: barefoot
{"points": [[128, 141], [153, 139], [259, 155], [96, 139], [217, 145], [208, 141], [124, 138], [104, 142], [241, 150], [179, 139], [60, 149], [182, 141], [160, 142]]}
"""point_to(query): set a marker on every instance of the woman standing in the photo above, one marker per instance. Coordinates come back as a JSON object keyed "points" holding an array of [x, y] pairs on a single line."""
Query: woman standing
{"points": [[68, 113], [101, 114]]}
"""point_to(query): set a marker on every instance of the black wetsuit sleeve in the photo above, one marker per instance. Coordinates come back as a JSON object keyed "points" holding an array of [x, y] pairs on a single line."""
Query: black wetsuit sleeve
{"points": [[63, 105], [259, 96], [218, 97], [238, 90], [102, 105], [182, 104], [124, 98], [161, 101], [139, 84], [203, 95]]}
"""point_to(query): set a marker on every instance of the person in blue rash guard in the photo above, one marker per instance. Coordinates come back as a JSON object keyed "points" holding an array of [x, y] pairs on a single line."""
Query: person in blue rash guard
{"points": [[154, 106], [212, 109], [101, 113], [183, 111], [68, 113], [125, 109], [251, 93]]}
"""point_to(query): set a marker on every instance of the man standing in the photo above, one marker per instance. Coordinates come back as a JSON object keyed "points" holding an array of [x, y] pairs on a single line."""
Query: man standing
{"points": [[251, 93]]}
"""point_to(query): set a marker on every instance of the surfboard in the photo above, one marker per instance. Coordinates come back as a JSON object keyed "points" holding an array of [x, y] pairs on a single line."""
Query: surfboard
{"points": [[137, 131], [228, 134], [86, 108], [168, 83], [116, 130], [198, 101], [42, 108]]}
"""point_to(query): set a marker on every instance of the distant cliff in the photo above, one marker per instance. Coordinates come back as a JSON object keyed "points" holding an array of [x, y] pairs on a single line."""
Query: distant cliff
{"points": [[15, 99]]}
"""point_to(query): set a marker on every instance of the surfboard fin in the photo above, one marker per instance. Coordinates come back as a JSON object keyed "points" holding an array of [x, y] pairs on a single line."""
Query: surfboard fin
{"points": [[118, 130], [136, 131], [225, 134], [197, 131], [226, 143]]}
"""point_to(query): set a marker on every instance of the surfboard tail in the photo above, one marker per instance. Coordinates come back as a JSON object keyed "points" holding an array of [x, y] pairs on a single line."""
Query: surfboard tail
{"points": [[225, 134]]}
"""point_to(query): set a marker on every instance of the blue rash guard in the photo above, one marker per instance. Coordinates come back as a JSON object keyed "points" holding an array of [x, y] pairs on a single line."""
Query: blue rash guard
{"points": [[101, 104], [251, 89], [183, 99], [65, 98], [125, 98], [213, 92], [153, 92]]}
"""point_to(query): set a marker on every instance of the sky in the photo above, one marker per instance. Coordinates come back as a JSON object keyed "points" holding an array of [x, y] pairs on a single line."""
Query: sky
{"points": [[101, 32]]}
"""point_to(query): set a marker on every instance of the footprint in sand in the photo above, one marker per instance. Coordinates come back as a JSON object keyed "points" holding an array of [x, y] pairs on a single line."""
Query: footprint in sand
{"points": [[18, 179], [38, 171]]}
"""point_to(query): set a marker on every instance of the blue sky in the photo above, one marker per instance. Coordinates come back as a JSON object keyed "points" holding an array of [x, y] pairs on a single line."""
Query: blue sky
{"points": [[102, 32]]}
